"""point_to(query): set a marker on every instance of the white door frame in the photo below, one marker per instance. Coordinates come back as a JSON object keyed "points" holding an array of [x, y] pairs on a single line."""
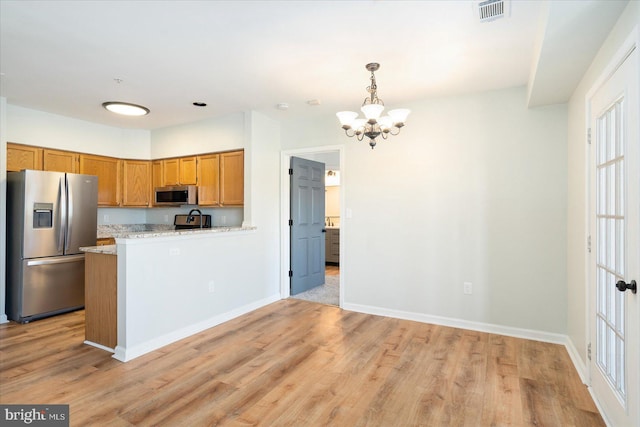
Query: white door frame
{"points": [[285, 195], [631, 42]]}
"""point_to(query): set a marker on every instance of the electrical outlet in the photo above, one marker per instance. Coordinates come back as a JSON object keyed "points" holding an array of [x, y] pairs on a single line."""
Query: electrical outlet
{"points": [[468, 288], [174, 251], [105, 218], [212, 286], [166, 218], [223, 220]]}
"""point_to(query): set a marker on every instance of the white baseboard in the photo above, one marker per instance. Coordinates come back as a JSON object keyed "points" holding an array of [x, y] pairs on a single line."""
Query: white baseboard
{"points": [[577, 361], [463, 324], [4, 318], [129, 353], [100, 346], [581, 367]]}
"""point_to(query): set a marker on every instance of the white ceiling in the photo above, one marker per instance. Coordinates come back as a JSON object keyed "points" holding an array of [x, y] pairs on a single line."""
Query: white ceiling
{"points": [[63, 56]]}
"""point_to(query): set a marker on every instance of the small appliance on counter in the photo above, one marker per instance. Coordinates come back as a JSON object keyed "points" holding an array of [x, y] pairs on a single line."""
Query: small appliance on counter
{"points": [[191, 221]]}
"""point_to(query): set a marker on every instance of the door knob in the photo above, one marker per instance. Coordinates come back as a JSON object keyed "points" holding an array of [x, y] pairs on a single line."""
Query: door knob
{"points": [[623, 286]]}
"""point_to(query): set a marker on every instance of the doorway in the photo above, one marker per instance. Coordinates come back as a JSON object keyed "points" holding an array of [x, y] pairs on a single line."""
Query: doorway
{"points": [[614, 262], [333, 158]]}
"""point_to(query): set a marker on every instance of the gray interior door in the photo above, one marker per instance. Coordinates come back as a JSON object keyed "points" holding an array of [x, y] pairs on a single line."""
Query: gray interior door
{"points": [[307, 224]]}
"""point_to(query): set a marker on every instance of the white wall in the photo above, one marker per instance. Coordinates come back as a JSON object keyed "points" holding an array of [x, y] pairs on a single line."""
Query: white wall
{"points": [[332, 202], [32, 127], [204, 136], [577, 284], [473, 189], [164, 297]]}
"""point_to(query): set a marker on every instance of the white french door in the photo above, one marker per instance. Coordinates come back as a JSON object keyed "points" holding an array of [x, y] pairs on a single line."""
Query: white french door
{"points": [[614, 311]]}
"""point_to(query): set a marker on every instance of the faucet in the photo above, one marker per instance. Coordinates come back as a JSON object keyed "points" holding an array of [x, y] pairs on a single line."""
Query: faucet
{"points": [[190, 218]]}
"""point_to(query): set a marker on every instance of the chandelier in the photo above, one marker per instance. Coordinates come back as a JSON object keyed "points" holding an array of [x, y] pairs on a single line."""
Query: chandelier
{"points": [[372, 125]]}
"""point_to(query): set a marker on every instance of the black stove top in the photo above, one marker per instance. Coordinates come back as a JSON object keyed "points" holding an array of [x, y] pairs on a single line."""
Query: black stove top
{"points": [[191, 221]]}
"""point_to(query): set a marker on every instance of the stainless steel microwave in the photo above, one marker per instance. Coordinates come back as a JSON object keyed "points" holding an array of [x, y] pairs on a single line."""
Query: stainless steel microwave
{"points": [[175, 196]]}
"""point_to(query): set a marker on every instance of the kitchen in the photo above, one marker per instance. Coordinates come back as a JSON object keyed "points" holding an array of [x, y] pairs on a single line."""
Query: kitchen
{"points": [[186, 275]]}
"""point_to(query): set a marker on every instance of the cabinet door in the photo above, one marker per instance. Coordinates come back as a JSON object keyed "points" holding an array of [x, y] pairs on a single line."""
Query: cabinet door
{"points": [[156, 174], [136, 183], [60, 161], [208, 179], [232, 178], [188, 168], [170, 172], [108, 171], [179, 171], [23, 157]]}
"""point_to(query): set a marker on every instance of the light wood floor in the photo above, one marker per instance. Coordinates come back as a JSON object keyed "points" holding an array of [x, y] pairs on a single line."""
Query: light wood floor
{"points": [[296, 363], [331, 270]]}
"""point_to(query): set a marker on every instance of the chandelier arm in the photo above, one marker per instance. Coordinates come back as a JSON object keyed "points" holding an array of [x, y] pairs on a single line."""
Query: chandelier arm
{"points": [[346, 132], [384, 135], [360, 136], [397, 129]]}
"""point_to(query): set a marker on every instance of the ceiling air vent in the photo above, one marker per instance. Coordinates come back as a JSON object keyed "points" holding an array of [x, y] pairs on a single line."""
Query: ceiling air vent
{"points": [[490, 10]]}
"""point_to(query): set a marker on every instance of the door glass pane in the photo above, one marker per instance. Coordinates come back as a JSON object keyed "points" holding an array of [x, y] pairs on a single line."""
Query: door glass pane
{"points": [[610, 249]]}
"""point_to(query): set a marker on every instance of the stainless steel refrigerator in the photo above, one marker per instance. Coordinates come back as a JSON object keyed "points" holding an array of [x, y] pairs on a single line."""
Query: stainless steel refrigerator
{"points": [[50, 215]]}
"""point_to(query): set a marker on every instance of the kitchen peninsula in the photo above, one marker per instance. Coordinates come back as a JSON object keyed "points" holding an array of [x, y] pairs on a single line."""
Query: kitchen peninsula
{"points": [[168, 285]]}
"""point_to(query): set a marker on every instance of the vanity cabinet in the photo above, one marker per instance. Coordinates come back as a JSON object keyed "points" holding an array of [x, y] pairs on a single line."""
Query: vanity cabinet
{"points": [[21, 157], [332, 245]]}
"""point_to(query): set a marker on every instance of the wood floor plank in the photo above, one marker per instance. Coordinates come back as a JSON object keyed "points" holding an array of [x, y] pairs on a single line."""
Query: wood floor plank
{"points": [[297, 363]]}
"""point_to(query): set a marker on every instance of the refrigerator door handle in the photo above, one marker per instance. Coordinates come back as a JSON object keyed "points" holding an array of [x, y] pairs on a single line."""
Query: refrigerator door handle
{"points": [[69, 216], [60, 260], [62, 218]]}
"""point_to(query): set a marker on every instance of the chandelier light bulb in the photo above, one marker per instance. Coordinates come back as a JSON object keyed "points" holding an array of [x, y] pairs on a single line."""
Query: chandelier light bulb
{"points": [[385, 123], [372, 112], [359, 125], [399, 116], [346, 118]]}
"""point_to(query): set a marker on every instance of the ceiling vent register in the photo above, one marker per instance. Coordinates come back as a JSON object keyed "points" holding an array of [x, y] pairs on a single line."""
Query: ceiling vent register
{"points": [[490, 10]]}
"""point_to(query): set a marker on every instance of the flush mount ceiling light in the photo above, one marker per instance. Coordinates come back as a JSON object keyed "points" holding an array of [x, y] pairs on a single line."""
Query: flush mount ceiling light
{"points": [[372, 125], [126, 108]]}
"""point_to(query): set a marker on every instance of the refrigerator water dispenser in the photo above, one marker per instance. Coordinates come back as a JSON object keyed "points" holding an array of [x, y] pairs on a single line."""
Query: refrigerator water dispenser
{"points": [[42, 215]]}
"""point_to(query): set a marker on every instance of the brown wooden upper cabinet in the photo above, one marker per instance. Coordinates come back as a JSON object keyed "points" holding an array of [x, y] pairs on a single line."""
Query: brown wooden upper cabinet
{"points": [[136, 179], [209, 179], [23, 157], [179, 171], [232, 178], [157, 179], [108, 171], [60, 161], [219, 176]]}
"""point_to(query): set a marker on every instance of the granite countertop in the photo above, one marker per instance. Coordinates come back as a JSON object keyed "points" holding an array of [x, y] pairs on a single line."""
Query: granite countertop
{"points": [[104, 249], [115, 230], [172, 232]]}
